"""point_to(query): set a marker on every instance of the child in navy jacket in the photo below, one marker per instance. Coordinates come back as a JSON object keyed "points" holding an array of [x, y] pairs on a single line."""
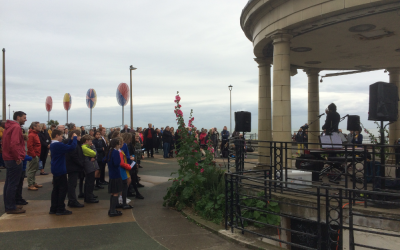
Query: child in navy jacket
{"points": [[114, 161], [59, 171]]}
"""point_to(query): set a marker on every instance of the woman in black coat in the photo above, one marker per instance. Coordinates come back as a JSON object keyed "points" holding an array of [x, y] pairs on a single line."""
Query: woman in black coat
{"points": [[45, 141]]}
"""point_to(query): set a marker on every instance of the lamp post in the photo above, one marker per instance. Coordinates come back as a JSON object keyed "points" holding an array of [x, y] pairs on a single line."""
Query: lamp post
{"points": [[4, 85], [130, 69], [230, 107], [9, 111]]}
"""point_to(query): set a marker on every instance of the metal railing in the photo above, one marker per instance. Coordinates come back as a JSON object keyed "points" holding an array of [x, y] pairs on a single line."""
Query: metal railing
{"points": [[328, 199]]}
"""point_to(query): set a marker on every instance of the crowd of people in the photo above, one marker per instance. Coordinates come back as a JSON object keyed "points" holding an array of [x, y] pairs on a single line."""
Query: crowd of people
{"points": [[78, 159]]}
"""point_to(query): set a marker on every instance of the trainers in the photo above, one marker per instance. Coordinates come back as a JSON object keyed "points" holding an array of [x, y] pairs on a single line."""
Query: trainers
{"points": [[33, 188], [37, 185], [16, 211]]}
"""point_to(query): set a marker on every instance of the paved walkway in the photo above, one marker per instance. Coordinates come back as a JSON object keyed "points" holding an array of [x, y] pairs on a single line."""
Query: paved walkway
{"points": [[148, 226]]}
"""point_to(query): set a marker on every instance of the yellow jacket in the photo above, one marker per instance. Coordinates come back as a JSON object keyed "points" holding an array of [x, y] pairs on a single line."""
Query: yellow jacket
{"points": [[1, 132]]}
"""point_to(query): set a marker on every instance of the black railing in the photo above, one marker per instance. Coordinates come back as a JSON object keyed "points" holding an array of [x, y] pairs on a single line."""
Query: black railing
{"points": [[327, 199]]}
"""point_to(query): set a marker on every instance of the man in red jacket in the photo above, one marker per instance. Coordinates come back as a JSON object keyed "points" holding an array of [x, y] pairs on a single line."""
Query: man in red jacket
{"points": [[13, 155], [34, 148]]}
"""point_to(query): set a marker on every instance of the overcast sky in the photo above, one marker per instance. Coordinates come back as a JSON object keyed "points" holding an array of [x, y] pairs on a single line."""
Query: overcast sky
{"points": [[194, 47]]}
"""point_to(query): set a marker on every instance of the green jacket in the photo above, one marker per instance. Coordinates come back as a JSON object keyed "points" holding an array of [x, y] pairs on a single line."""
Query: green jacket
{"points": [[87, 151]]}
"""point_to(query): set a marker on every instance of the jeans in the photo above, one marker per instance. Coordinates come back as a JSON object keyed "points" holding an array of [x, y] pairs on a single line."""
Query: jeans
{"points": [[33, 167], [18, 194], [60, 189], [72, 182], [166, 149], [13, 176]]}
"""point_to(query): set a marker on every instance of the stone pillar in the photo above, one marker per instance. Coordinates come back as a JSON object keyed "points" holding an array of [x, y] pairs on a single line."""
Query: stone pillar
{"points": [[394, 128], [281, 88], [313, 106], [264, 109]]}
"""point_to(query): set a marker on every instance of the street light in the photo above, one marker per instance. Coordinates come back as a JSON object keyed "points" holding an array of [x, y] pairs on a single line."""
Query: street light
{"points": [[130, 69], [230, 107]]}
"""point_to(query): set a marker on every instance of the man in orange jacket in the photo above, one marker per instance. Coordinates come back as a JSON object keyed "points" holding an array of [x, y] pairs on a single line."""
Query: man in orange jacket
{"points": [[34, 148]]}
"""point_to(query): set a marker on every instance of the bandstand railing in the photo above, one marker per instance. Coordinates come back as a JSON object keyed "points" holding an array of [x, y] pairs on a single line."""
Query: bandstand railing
{"points": [[343, 198]]}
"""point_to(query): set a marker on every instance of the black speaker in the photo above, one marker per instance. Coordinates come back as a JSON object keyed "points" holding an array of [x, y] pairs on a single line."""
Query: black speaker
{"points": [[383, 102], [243, 121], [353, 123]]}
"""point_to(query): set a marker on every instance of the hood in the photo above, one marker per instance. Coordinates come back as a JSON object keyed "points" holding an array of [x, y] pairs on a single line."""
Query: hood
{"points": [[33, 131], [11, 123]]}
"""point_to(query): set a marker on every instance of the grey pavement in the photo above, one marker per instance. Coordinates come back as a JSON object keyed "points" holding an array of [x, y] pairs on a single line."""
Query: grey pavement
{"points": [[153, 226]]}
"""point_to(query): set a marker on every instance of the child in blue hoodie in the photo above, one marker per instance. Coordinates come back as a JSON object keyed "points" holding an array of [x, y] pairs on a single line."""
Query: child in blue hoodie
{"points": [[18, 195], [59, 170]]}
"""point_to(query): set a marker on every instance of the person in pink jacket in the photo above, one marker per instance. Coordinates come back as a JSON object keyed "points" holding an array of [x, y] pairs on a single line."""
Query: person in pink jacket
{"points": [[13, 155]]}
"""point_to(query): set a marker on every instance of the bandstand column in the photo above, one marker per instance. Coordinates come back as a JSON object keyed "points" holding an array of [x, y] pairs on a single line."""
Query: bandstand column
{"points": [[264, 109], [394, 128], [313, 106], [281, 88]]}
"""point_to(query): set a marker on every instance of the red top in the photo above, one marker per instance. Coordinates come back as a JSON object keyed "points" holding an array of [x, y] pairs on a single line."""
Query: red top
{"points": [[33, 143], [149, 135], [141, 136], [203, 138], [13, 142], [122, 163]]}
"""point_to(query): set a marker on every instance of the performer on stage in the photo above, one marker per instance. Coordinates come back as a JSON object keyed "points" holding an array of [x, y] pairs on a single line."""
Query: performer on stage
{"points": [[332, 119]]}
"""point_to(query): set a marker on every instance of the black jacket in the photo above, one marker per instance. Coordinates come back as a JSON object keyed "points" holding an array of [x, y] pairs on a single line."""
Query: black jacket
{"points": [[125, 131], [100, 146], [332, 122], [75, 159], [45, 139], [145, 133], [167, 137], [83, 132]]}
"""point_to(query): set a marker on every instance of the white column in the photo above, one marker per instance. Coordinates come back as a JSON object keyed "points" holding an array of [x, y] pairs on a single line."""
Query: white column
{"points": [[264, 109], [394, 128], [313, 106], [281, 88]]}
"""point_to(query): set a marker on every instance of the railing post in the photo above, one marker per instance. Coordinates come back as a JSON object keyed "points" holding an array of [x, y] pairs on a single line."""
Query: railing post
{"points": [[351, 232], [231, 200], [319, 218], [226, 201]]}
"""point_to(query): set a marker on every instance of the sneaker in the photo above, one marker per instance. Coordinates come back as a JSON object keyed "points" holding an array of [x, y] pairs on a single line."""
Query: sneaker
{"points": [[37, 185], [65, 212], [33, 188], [16, 211], [44, 173]]}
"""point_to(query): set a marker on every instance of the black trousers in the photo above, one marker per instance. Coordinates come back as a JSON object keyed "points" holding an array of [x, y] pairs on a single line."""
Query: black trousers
{"points": [[89, 186], [60, 189], [43, 155], [149, 147], [72, 183], [18, 194], [102, 167]]}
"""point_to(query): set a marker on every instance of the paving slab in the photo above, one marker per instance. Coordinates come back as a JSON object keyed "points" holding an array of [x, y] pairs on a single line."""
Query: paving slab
{"points": [[148, 225]]}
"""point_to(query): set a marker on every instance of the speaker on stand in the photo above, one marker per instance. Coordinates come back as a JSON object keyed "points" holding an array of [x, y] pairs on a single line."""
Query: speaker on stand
{"points": [[383, 106], [242, 124]]}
